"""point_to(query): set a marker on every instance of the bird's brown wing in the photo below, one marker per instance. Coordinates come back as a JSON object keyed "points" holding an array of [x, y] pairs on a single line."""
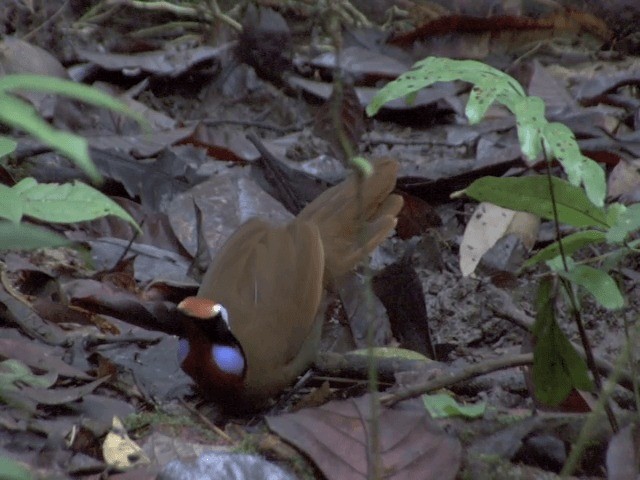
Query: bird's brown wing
{"points": [[270, 280]]}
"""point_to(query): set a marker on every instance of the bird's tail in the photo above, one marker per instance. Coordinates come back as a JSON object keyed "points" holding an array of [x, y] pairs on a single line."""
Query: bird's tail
{"points": [[355, 216]]}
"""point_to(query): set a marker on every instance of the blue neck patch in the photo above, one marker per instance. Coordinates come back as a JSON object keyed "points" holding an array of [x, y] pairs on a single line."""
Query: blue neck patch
{"points": [[183, 350], [228, 359]]}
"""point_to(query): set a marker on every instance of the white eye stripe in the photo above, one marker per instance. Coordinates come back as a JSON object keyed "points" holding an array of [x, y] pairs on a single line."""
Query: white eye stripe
{"points": [[220, 310]]}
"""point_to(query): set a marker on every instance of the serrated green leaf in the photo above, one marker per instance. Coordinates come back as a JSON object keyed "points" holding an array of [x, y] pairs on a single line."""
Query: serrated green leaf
{"points": [[571, 243], [598, 283], [69, 203], [23, 236], [441, 405], [627, 221], [19, 114], [531, 194], [7, 146]]}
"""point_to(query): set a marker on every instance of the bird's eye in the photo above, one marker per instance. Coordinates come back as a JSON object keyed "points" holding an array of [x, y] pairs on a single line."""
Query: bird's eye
{"points": [[220, 310]]}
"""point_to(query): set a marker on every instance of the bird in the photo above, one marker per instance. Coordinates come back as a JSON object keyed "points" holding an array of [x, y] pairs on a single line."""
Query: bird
{"points": [[253, 326]]}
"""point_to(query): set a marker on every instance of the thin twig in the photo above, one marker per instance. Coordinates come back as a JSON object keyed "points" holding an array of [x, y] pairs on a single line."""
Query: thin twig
{"points": [[250, 123], [464, 374], [213, 427], [49, 20], [217, 13]]}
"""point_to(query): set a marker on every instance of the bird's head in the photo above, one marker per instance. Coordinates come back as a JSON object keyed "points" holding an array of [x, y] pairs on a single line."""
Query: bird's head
{"points": [[210, 354]]}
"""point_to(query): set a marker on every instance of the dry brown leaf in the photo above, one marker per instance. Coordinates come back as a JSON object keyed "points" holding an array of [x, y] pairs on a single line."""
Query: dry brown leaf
{"points": [[342, 111], [335, 436], [399, 288], [18, 57], [61, 396], [624, 181], [417, 217], [227, 200], [156, 62], [363, 62], [39, 356]]}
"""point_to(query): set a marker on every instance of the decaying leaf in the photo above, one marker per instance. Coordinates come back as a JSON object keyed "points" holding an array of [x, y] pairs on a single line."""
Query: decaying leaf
{"points": [[119, 451], [335, 436], [489, 224]]}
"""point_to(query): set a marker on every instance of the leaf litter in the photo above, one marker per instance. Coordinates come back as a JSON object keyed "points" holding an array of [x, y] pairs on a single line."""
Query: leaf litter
{"points": [[55, 366]]}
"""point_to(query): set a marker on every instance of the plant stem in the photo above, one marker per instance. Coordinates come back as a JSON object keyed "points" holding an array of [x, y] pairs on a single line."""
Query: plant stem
{"points": [[584, 339]]}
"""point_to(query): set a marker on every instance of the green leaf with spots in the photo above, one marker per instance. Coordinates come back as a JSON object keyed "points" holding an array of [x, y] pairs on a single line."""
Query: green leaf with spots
{"points": [[562, 145], [480, 99], [529, 112], [490, 84]]}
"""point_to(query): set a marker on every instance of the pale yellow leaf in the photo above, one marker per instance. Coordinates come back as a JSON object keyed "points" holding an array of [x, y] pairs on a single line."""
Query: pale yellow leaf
{"points": [[119, 451]]}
